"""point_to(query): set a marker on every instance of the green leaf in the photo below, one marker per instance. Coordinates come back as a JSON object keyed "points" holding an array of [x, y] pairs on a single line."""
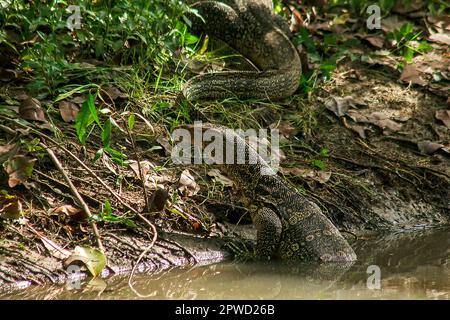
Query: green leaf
{"points": [[107, 209], [327, 67], [330, 40], [319, 164], [131, 122], [117, 156], [424, 47], [83, 120], [324, 152], [93, 109], [190, 38], [106, 133], [406, 29], [93, 259], [204, 47], [99, 48], [98, 154], [304, 38], [408, 53]]}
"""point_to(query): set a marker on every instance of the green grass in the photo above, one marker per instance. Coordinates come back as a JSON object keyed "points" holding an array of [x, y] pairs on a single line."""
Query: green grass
{"points": [[142, 48], [143, 35]]}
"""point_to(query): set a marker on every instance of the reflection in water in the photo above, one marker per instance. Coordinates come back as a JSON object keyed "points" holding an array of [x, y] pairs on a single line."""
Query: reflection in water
{"points": [[413, 266]]}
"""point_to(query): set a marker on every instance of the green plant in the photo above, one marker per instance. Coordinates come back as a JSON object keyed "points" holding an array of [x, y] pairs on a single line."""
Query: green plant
{"points": [[86, 120], [319, 164], [142, 33], [106, 215], [403, 39]]}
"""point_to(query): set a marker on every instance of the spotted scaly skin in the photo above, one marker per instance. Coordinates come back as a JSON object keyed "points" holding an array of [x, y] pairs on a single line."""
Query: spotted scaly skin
{"points": [[254, 30], [289, 226]]}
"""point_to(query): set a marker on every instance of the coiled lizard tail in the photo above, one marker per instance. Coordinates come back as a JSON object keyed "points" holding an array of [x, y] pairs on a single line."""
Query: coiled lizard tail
{"points": [[289, 226], [255, 31]]}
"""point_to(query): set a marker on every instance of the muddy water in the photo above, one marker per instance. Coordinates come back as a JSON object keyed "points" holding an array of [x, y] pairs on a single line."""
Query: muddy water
{"points": [[408, 265]]}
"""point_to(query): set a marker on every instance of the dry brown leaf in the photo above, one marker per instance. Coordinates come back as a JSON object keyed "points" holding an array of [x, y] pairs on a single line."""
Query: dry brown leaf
{"points": [[145, 167], [164, 142], [444, 116], [218, 176], [187, 184], [324, 26], [10, 206], [379, 119], [441, 24], [428, 147], [377, 115], [440, 38], [114, 92], [72, 212], [388, 125], [285, 129], [360, 130], [376, 41], [80, 99], [55, 250], [319, 176], [402, 117], [340, 106], [153, 179], [68, 110], [7, 151], [323, 176], [356, 116], [158, 200], [403, 7], [30, 109], [296, 20], [391, 23], [19, 168], [411, 75]]}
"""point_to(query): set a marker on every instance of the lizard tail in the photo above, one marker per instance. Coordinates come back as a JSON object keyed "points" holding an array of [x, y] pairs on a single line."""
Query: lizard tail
{"points": [[270, 84]]}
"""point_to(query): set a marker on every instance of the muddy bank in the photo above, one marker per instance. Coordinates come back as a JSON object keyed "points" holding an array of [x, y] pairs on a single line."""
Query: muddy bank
{"points": [[21, 267]]}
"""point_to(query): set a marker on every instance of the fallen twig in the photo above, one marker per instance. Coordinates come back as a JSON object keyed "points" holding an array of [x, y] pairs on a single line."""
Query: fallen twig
{"points": [[141, 174], [75, 192], [137, 263]]}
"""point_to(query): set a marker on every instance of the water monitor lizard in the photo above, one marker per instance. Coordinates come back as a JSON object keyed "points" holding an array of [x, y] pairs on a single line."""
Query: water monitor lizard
{"points": [[288, 225], [254, 30]]}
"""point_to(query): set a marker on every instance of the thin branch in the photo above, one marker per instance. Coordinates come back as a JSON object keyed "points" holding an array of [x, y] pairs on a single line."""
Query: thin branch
{"points": [[137, 263], [141, 174], [76, 194]]}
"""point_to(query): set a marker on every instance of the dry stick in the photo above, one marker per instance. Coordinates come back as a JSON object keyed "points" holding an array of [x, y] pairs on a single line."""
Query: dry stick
{"points": [[147, 207], [134, 269], [75, 193], [141, 174]]}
